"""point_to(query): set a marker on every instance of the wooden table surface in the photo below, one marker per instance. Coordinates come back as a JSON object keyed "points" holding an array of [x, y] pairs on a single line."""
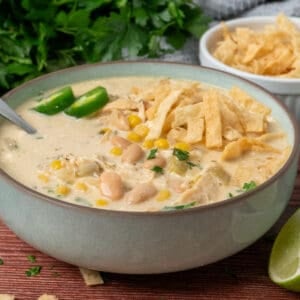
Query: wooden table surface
{"points": [[242, 276]]}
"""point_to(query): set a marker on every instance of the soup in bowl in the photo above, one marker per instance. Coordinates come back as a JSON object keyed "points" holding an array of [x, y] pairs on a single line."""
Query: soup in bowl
{"points": [[134, 160]]}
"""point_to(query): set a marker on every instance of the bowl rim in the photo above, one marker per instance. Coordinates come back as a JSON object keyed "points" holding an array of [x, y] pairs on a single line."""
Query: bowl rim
{"points": [[236, 23], [210, 206]]}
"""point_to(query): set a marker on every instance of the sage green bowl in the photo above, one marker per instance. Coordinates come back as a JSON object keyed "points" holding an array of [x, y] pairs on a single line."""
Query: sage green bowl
{"points": [[147, 242]]}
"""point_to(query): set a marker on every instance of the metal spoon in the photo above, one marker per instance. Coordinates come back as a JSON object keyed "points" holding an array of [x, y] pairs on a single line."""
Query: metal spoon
{"points": [[9, 114]]}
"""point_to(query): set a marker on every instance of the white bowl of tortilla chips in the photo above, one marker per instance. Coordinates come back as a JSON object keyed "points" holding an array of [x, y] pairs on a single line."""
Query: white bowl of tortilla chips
{"points": [[265, 50]]}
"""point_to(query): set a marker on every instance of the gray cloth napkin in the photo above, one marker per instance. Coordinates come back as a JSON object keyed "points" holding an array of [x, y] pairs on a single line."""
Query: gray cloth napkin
{"points": [[220, 9]]}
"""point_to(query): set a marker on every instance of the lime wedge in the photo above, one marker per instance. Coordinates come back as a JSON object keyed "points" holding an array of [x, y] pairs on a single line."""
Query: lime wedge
{"points": [[284, 264]]}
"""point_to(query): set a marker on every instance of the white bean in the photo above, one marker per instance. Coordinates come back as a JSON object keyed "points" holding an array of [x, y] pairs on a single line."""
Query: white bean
{"points": [[119, 141], [111, 185], [132, 154], [141, 193]]}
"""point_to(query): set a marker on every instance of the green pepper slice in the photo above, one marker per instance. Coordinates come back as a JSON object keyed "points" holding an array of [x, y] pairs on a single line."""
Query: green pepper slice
{"points": [[88, 103], [56, 102]]}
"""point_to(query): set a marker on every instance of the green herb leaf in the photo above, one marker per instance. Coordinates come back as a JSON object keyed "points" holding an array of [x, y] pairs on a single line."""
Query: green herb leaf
{"points": [[33, 271], [191, 165], [31, 258], [158, 169], [37, 36], [181, 154], [1, 262], [152, 154], [249, 186], [230, 195], [178, 207]]}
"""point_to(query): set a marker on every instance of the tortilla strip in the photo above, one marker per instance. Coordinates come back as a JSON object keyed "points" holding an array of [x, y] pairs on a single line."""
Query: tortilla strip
{"points": [[249, 104], [238, 148], [232, 128], [7, 297], [91, 277], [156, 125], [213, 122], [47, 297], [122, 104], [192, 116]]}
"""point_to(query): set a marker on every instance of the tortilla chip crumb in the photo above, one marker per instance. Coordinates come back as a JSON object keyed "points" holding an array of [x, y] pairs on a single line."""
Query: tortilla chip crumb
{"points": [[91, 277], [47, 297], [7, 297]]}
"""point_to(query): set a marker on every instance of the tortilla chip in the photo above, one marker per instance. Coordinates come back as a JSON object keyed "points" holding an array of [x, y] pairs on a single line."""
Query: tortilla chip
{"points": [[157, 123], [232, 128], [176, 135], [91, 277], [121, 104], [247, 102], [47, 297], [213, 122], [192, 117], [272, 51], [7, 297], [237, 148]]}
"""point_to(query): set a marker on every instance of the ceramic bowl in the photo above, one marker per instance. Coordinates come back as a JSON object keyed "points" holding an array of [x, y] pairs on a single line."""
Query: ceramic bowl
{"points": [[146, 242], [287, 89]]}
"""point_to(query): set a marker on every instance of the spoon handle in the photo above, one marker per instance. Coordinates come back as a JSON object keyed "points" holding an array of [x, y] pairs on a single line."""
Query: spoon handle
{"points": [[12, 116]]}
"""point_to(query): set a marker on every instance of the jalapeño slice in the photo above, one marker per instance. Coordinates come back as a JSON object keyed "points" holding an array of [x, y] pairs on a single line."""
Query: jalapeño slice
{"points": [[88, 103], [56, 102]]}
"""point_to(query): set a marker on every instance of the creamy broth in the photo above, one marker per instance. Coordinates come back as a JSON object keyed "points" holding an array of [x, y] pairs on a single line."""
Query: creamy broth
{"points": [[68, 156]]}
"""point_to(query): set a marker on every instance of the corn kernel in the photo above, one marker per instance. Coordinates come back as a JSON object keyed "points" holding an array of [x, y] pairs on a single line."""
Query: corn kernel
{"points": [[182, 146], [161, 143], [43, 177], [148, 144], [134, 137], [101, 202], [141, 130], [62, 190], [163, 195], [117, 151], [81, 186], [134, 120], [56, 164]]}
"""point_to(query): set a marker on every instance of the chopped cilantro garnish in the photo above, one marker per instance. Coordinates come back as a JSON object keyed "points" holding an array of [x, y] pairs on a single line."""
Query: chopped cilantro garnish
{"points": [[181, 154], [152, 153], [158, 169], [230, 195], [31, 258], [249, 186], [33, 271], [178, 207], [191, 165], [1, 262]]}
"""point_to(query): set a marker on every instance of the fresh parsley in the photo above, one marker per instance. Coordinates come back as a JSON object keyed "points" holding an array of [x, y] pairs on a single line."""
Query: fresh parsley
{"points": [[178, 207], [249, 186], [181, 154], [192, 165], [33, 271], [40, 36], [158, 169], [152, 153], [1, 262], [31, 258]]}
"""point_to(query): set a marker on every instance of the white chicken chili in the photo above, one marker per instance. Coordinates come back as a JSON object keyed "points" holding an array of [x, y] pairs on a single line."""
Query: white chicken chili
{"points": [[144, 144]]}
